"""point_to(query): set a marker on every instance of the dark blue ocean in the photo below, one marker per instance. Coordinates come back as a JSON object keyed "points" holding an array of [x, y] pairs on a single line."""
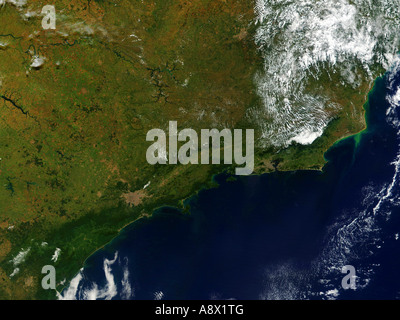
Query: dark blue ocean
{"points": [[283, 235]]}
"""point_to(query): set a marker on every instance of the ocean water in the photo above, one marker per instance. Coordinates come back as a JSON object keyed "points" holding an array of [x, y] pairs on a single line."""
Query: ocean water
{"points": [[283, 235]]}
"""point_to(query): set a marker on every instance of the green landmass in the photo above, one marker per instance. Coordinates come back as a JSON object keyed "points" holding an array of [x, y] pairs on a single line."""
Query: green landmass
{"points": [[73, 130]]}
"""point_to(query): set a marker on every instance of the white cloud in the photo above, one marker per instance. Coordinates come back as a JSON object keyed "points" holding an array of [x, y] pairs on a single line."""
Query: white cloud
{"points": [[56, 255], [306, 137], [92, 291], [127, 292], [37, 61], [300, 39], [15, 271], [17, 3], [20, 257], [71, 292], [159, 295]]}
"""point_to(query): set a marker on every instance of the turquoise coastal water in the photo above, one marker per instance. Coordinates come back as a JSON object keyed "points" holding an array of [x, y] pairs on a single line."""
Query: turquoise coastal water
{"points": [[284, 235]]}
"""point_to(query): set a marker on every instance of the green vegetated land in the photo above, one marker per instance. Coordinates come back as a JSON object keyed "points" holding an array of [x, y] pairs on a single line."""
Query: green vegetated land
{"points": [[73, 130]]}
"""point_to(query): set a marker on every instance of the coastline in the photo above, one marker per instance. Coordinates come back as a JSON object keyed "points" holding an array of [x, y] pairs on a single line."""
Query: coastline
{"points": [[185, 209]]}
